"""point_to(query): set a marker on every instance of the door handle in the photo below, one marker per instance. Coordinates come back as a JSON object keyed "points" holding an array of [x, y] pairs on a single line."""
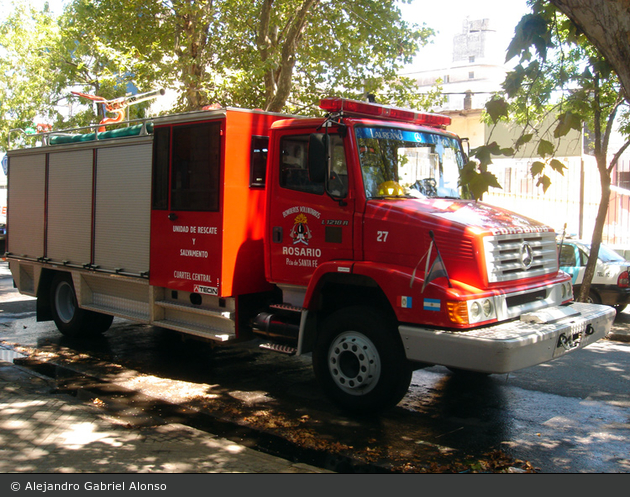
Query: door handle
{"points": [[276, 234], [172, 216]]}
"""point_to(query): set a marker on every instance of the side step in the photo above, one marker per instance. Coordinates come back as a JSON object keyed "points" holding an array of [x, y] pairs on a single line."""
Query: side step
{"points": [[203, 331], [276, 347], [202, 321]]}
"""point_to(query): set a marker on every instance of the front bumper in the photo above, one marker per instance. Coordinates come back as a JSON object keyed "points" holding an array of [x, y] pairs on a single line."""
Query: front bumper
{"points": [[536, 338]]}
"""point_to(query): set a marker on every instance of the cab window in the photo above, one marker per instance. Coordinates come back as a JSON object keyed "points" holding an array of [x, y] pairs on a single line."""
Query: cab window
{"points": [[338, 179], [294, 165]]}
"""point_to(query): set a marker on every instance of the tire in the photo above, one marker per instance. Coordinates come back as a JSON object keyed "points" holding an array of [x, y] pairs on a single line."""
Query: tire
{"points": [[71, 320], [593, 298], [620, 307], [360, 362]]}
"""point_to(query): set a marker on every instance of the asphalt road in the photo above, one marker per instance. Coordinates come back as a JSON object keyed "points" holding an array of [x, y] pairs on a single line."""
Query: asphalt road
{"points": [[568, 416]]}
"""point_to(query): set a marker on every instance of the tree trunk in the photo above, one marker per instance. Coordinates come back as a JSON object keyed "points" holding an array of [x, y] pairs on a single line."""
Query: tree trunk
{"points": [[596, 240], [606, 23], [278, 76], [193, 27]]}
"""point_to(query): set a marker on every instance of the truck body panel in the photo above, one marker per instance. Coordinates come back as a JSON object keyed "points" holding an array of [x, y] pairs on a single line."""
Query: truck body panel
{"points": [[84, 207]]}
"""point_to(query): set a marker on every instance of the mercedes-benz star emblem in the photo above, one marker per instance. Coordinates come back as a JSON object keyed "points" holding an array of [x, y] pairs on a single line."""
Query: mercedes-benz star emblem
{"points": [[527, 256]]}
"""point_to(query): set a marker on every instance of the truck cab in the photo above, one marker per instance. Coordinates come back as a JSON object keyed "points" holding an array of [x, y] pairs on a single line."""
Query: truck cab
{"points": [[370, 236]]}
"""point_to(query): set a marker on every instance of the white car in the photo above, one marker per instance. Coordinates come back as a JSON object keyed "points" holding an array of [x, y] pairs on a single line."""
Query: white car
{"points": [[610, 284]]}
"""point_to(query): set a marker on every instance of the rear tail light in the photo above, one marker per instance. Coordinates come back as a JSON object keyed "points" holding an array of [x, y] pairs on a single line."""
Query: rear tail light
{"points": [[624, 280]]}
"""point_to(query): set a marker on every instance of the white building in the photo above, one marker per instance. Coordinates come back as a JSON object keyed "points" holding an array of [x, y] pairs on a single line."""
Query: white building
{"points": [[475, 71]]}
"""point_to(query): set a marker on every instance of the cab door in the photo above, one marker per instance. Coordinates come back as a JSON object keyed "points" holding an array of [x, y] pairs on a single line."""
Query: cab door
{"points": [[186, 222], [308, 226]]}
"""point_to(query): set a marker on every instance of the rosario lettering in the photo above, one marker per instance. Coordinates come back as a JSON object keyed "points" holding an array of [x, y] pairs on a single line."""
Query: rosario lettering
{"points": [[302, 251]]}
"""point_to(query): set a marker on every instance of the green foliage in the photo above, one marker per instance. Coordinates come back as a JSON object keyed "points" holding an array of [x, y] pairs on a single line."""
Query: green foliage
{"points": [[566, 122], [26, 38], [478, 179], [276, 55], [281, 55], [545, 148], [347, 48], [497, 108], [531, 31], [475, 175], [523, 139]]}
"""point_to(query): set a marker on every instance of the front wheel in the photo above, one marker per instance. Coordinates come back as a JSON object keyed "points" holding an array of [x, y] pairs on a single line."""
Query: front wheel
{"points": [[71, 320], [360, 362]]}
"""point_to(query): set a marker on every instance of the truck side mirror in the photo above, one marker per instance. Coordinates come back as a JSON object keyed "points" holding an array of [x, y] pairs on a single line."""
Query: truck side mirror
{"points": [[318, 147]]}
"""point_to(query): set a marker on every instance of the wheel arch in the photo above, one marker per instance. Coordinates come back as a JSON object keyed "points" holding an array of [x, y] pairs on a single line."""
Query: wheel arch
{"points": [[358, 362], [336, 291], [43, 306]]}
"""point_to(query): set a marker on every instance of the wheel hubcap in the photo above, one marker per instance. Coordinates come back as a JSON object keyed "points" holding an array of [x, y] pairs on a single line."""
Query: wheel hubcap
{"points": [[354, 363], [64, 302]]}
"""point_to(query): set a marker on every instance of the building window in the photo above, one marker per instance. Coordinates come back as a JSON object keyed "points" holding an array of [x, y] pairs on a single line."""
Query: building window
{"points": [[471, 59], [471, 75], [623, 179]]}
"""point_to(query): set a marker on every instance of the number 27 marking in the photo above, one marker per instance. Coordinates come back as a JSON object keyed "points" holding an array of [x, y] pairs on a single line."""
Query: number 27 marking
{"points": [[381, 236]]}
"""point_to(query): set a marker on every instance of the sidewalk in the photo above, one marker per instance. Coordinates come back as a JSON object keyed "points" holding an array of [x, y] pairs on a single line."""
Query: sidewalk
{"points": [[45, 432]]}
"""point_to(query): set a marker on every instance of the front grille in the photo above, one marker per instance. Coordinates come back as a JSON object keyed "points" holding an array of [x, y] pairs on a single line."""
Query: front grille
{"points": [[508, 256]]}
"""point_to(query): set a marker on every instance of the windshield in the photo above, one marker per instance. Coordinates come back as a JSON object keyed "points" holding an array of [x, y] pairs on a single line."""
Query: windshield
{"points": [[404, 163], [609, 255]]}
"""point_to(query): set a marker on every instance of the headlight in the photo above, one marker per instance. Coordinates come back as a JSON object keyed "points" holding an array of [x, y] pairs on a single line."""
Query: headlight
{"points": [[471, 311], [475, 311], [488, 308]]}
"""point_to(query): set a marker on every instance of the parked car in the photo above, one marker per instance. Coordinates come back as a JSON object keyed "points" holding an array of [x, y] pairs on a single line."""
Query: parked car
{"points": [[610, 284]]}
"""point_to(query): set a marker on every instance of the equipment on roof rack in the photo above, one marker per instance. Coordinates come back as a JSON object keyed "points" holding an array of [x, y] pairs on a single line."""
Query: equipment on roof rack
{"points": [[119, 105]]}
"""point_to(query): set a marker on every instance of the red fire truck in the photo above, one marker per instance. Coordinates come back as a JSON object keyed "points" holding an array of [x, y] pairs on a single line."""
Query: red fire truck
{"points": [[344, 236]]}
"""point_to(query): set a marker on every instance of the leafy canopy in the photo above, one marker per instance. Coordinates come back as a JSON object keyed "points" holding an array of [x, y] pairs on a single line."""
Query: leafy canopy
{"points": [[279, 55], [27, 38]]}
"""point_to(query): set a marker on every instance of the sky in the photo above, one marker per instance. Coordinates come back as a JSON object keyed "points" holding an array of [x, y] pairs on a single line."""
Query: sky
{"points": [[446, 18]]}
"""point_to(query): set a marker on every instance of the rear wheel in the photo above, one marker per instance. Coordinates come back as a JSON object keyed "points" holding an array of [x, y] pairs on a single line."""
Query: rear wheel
{"points": [[360, 362], [71, 320]]}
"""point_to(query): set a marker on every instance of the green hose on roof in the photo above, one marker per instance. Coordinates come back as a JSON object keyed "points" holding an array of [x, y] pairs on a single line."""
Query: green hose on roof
{"points": [[114, 133]]}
